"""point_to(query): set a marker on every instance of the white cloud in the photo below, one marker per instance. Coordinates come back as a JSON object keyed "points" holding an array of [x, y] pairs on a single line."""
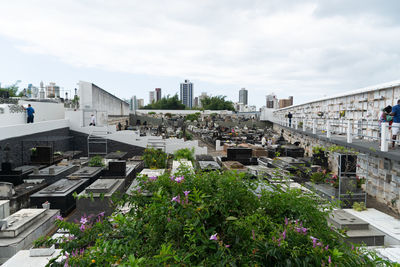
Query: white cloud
{"points": [[292, 49]]}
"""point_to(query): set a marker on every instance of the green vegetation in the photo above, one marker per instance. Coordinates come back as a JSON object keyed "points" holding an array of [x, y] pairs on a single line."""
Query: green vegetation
{"points": [[154, 158], [210, 219], [184, 153], [166, 103], [217, 103], [12, 89], [318, 149], [318, 177], [96, 161], [359, 206], [193, 117]]}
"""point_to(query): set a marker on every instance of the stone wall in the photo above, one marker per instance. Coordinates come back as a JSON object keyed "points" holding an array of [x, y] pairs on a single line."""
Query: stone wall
{"points": [[20, 146], [382, 171]]}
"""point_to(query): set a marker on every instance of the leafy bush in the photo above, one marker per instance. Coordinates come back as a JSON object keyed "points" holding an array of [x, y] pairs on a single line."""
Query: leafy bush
{"points": [[318, 149], [96, 161], [154, 158], [359, 206], [184, 153], [193, 117], [211, 219], [318, 177], [188, 136]]}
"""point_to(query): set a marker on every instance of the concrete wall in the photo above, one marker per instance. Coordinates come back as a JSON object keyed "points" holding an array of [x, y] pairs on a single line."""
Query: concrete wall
{"points": [[18, 130], [93, 97], [44, 111], [381, 171]]}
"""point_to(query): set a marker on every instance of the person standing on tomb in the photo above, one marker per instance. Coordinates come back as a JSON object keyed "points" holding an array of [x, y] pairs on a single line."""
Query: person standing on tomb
{"points": [[29, 112], [263, 141], [290, 119], [396, 122], [92, 120]]}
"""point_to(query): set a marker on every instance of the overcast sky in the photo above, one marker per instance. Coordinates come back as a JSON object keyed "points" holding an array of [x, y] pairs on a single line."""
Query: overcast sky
{"points": [[307, 49]]}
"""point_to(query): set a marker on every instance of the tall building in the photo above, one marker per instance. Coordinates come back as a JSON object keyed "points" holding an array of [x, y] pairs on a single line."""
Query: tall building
{"points": [[201, 97], [158, 94], [186, 95], [196, 102], [272, 101], [140, 102], [52, 90], [151, 97], [283, 103], [243, 96]]}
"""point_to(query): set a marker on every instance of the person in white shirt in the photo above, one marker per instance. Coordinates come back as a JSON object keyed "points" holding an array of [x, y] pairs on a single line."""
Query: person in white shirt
{"points": [[263, 141], [92, 120]]}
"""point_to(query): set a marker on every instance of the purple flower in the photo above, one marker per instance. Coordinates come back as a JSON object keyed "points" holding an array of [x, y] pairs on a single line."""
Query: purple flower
{"points": [[253, 234], [168, 219], [227, 246], [177, 199], [59, 217], [172, 178], [327, 247], [314, 241], [82, 228], [179, 179], [101, 214], [214, 237], [153, 178], [84, 220], [186, 193], [329, 259], [284, 234], [286, 221]]}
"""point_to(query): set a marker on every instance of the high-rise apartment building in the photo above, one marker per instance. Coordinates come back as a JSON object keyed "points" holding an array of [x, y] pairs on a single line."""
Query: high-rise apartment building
{"points": [[186, 93], [201, 97], [272, 101], [243, 96], [283, 103], [158, 94], [140, 102], [196, 102], [52, 90], [151, 97]]}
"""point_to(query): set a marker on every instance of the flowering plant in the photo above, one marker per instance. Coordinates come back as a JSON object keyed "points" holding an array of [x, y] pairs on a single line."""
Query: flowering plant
{"points": [[211, 219]]}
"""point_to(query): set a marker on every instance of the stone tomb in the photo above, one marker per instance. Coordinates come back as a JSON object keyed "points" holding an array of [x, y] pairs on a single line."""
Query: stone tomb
{"points": [[96, 198], [17, 175], [121, 170], [152, 173], [19, 230], [4, 209], [116, 155], [90, 173], [234, 166], [178, 165], [357, 230], [209, 165], [51, 174], [60, 194], [242, 155]]}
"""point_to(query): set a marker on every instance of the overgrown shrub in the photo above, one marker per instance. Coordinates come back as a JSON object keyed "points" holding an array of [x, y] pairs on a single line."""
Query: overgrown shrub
{"points": [[184, 153], [211, 219], [154, 158], [318, 177], [96, 161]]}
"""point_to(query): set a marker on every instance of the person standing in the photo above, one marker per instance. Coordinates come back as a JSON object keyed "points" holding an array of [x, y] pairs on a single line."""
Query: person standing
{"points": [[29, 112], [290, 119], [92, 120], [263, 141], [396, 122]]}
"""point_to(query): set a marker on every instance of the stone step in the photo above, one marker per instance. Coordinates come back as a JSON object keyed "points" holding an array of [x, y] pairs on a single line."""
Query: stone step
{"points": [[343, 220], [368, 237]]}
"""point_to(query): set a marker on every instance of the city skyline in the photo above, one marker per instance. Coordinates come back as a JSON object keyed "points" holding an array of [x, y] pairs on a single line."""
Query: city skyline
{"points": [[307, 49]]}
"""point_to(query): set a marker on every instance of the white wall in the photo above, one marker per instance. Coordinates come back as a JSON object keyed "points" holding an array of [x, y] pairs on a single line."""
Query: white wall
{"points": [[12, 131]]}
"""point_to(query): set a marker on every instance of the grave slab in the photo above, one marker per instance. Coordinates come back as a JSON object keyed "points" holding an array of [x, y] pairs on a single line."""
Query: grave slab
{"points": [[209, 165], [91, 173], [4, 208], [51, 174], [60, 194], [178, 164]]}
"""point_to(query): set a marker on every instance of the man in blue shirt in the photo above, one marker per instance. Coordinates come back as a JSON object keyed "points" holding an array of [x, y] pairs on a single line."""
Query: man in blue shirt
{"points": [[396, 121], [30, 112]]}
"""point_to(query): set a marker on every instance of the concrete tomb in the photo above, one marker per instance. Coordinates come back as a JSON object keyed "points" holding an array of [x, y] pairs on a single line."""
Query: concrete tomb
{"points": [[178, 165], [19, 230], [91, 173], [4, 209], [96, 198], [209, 165], [242, 155], [51, 174], [45, 155], [60, 194], [152, 173], [19, 174], [234, 166], [116, 155]]}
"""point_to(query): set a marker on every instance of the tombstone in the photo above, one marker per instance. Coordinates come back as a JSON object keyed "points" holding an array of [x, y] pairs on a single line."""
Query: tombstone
{"points": [[204, 157], [51, 174], [234, 166], [60, 194], [178, 165], [17, 175], [90, 173], [6, 165], [152, 172], [209, 165], [6, 190], [96, 198], [43, 155], [19, 230], [291, 151], [242, 155]]}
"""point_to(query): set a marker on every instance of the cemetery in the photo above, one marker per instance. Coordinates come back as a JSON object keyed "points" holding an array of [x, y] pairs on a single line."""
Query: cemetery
{"points": [[102, 194]]}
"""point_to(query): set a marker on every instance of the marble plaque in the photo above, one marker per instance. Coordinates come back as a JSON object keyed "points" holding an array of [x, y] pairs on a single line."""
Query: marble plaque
{"points": [[101, 186]]}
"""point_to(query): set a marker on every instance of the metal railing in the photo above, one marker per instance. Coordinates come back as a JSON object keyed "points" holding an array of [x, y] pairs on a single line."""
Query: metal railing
{"points": [[369, 130]]}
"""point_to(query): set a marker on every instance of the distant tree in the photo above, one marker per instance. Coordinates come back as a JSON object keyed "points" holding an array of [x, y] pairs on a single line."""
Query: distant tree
{"points": [[217, 103], [12, 89], [166, 103]]}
